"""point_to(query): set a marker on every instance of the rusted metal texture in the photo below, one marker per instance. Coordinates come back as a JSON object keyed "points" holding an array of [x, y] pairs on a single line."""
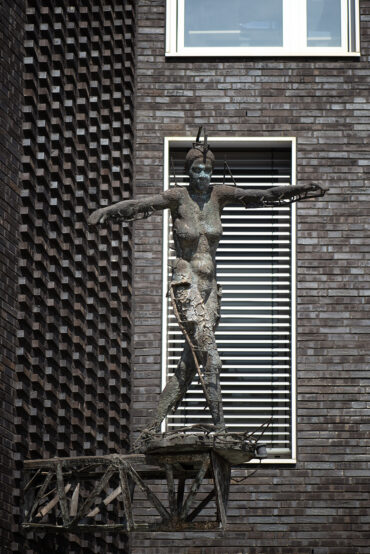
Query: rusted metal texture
{"points": [[73, 494]]}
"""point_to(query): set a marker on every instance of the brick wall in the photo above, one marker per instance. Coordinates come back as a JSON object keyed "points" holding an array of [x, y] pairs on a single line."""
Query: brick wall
{"points": [[321, 504], [11, 34], [75, 282]]}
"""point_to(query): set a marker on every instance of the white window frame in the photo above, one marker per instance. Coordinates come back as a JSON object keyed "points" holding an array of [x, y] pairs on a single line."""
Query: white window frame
{"points": [[294, 33], [247, 142]]}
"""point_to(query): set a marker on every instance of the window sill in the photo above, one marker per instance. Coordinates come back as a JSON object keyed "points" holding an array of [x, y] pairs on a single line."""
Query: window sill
{"points": [[258, 54], [273, 461]]}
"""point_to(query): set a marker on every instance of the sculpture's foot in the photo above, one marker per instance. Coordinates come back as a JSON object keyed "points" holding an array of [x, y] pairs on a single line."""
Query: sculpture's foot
{"points": [[220, 429], [144, 438]]}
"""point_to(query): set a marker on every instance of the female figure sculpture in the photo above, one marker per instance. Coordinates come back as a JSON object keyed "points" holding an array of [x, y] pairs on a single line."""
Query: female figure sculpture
{"points": [[196, 217]]}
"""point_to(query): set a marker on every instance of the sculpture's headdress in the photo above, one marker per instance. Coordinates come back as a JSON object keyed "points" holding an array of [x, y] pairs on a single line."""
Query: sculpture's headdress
{"points": [[199, 150]]}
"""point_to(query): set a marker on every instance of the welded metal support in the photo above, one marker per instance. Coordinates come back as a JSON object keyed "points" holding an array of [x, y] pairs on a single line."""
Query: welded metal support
{"points": [[72, 494], [98, 492]]}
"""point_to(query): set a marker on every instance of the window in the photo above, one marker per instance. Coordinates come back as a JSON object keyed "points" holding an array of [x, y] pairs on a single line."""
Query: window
{"points": [[256, 268], [271, 27]]}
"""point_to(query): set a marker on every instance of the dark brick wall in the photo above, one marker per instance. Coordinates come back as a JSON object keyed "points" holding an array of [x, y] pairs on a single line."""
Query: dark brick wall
{"points": [[73, 367], [11, 95], [321, 504]]}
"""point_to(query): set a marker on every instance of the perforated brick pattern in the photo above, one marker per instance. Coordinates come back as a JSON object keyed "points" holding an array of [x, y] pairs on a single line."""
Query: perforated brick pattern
{"points": [[11, 34], [75, 282]]}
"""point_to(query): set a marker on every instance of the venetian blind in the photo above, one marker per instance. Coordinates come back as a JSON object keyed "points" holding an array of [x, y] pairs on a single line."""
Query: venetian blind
{"points": [[254, 337]]}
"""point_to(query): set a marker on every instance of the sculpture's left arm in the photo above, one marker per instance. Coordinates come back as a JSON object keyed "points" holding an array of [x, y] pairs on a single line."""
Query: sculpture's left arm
{"points": [[128, 210], [274, 196], [278, 196]]}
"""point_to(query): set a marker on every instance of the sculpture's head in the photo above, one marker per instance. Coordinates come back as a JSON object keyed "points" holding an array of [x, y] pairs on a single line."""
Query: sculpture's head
{"points": [[200, 174], [199, 163]]}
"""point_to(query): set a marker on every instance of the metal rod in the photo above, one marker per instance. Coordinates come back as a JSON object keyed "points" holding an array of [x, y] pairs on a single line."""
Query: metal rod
{"points": [[194, 487], [40, 493], [201, 505], [171, 488], [173, 171], [62, 495], [95, 493], [150, 495], [177, 315], [231, 175], [31, 480], [126, 498], [50, 505]]}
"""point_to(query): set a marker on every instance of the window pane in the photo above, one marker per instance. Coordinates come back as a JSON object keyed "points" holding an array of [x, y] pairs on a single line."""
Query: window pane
{"points": [[254, 267], [324, 23], [233, 23]]}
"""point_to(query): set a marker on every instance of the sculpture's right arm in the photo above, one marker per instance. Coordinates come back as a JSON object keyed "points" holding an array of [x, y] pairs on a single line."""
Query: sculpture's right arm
{"points": [[128, 209]]}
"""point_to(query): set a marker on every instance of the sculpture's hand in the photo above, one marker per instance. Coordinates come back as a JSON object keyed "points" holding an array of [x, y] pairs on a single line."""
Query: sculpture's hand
{"points": [[97, 217], [316, 189], [123, 211], [279, 196]]}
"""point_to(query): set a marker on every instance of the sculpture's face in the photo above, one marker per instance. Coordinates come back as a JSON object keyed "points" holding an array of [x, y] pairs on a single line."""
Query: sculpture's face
{"points": [[200, 174]]}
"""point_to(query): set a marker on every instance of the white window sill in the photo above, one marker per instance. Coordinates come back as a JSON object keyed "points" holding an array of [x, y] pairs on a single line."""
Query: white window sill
{"points": [[273, 461], [227, 53]]}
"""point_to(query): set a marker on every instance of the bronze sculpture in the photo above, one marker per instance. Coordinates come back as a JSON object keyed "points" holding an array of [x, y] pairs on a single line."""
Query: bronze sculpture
{"points": [[196, 217]]}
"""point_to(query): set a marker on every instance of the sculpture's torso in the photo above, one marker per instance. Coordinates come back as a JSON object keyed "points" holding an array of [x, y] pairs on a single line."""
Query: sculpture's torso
{"points": [[197, 231]]}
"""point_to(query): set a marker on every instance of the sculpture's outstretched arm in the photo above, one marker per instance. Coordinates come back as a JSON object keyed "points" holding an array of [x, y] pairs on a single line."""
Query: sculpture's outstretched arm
{"points": [[127, 210], [274, 196], [279, 196]]}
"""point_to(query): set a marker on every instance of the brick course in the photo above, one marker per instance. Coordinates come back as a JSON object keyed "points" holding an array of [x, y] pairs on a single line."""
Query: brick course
{"points": [[321, 504]]}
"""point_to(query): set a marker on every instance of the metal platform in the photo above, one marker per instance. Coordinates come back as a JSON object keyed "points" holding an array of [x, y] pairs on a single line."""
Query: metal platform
{"points": [[89, 492]]}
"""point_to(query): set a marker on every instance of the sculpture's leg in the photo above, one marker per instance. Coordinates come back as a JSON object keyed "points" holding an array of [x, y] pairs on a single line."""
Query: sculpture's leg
{"points": [[199, 318], [176, 388], [211, 360]]}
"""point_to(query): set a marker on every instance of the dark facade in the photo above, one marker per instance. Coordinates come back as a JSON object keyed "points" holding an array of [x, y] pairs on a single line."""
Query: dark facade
{"points": [[88, 344], [74, 339], [11, 93], [321, 504]]}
